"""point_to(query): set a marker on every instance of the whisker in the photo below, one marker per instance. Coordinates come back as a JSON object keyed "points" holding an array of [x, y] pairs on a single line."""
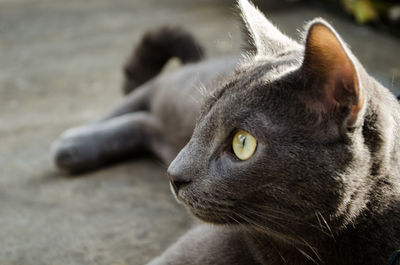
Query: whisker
{"points": [[252, 222], [326, 224], [261, 226], [268, 230], [277, 211], [256, 237], [263, 212], [312, 248], [260, 213], [202, 90], [306, 255]]}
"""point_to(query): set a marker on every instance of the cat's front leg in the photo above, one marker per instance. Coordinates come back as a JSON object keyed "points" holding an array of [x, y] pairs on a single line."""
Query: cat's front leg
{"points": [[94, 145], [207, 245]]}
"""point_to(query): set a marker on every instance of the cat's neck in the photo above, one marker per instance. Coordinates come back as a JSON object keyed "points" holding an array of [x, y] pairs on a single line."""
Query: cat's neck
{"points": [[374, 177], [273, 251], [382, 136], [344, 247]]}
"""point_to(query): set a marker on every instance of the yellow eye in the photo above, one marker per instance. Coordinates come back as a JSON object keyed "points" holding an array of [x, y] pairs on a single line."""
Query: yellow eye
{"points": [[244, 144]]}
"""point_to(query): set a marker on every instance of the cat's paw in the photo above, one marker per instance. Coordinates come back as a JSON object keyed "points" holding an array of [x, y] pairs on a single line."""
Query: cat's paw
{"points": [[74, 151]]}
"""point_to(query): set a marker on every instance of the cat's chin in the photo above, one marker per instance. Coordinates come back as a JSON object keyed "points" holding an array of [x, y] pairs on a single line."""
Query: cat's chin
{"points": [[214, 216], [211, 218]]}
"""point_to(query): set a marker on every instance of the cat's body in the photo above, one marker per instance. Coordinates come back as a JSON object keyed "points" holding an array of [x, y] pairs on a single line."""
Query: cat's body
{"points": [[157, 117], [321, 182]]}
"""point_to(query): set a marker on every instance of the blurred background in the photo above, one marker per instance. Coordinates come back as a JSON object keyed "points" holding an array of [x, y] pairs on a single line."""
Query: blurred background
{"points": [[60, 66]]}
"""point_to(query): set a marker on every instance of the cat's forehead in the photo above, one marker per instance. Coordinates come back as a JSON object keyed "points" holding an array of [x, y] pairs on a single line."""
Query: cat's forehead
{"points": [[250, 90], [250, 79], [267, 70]]}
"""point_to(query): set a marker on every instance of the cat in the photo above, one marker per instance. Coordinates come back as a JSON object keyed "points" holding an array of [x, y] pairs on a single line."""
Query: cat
{"points": [[291, 158], [294, 158]]}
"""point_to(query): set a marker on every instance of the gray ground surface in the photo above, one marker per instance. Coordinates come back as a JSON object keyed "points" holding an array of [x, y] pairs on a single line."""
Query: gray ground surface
{"points": [[60, 67]]}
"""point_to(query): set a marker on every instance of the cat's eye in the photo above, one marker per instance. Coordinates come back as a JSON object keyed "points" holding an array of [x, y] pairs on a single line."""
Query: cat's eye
{"points": [[244, 144]]}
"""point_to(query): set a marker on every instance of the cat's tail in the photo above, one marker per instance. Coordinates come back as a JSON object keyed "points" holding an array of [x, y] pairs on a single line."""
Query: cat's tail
{"points": [[153, 52]]}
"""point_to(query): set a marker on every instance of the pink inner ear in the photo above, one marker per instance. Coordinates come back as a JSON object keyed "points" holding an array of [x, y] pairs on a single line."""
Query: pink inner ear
{"points": [[327, 60]]}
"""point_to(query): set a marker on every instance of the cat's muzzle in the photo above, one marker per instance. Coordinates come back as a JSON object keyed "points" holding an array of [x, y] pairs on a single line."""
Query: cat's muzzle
{"points": [[177, 182]]}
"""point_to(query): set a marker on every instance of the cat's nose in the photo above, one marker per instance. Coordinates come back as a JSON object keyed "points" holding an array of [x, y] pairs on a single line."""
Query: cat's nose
{"points": [[183, 169], [178, 180], [179, 172]]}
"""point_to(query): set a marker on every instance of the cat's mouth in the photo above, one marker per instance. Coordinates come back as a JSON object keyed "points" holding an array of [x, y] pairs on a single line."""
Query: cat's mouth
{"points": [[207, 211], [175, 193]]}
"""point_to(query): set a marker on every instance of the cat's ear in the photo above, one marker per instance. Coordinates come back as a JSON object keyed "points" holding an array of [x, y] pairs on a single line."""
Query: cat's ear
{"points": [[332, 69], [267, 39]]}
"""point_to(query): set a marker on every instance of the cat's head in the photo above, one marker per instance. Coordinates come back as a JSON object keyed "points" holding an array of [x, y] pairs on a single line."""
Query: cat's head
{"points": [[274, 145]]}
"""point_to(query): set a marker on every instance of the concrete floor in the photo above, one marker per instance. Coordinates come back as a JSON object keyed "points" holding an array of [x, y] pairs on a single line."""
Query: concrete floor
{"points": [[60, 67]]}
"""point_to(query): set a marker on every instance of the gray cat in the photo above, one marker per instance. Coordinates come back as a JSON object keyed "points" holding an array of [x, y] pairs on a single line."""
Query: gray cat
{"points": [[294, 157]]}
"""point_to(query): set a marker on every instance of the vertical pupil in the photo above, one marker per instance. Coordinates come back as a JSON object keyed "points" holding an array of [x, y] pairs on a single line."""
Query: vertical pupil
{"points": [[242, 139]]}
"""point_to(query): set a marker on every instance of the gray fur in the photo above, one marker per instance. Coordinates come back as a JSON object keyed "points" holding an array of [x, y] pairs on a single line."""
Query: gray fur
{"points": [[171, 101], [319, 189], [267, 39], [322, 187]]}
